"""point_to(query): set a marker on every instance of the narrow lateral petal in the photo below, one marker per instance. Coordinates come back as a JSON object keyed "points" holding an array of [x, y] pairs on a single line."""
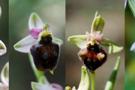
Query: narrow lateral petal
{"points": [[78, 40]]}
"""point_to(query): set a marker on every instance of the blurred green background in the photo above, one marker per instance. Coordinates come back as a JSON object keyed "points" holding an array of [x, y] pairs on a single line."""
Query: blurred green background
{"points": [[80, 14], [4, 30], [130, 56], [51, 12]]}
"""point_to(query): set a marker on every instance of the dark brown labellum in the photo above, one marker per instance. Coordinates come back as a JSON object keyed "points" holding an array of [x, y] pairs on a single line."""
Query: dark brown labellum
{"points": [[93, 56], [45, 54]]}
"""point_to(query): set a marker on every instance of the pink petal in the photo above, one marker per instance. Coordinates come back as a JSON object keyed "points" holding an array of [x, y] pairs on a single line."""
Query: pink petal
{"points": [[35, 33]]}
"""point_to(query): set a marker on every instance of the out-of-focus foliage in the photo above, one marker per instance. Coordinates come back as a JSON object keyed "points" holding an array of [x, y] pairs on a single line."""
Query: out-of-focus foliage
{"points": [[132, 5], [112, 80], [130, 56]]}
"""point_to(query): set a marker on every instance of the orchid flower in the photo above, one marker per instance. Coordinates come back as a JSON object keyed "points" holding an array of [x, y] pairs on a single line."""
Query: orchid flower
{"points": [[4, 85], [36, 26], [42, 48], [96, 34], [41, 44], [47, 86], [3, 48], [92, 51], [92, 45]]}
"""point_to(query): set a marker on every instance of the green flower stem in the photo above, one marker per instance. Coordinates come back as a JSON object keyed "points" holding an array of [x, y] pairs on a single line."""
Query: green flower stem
{"points": [[39, 74], [92, 76]]}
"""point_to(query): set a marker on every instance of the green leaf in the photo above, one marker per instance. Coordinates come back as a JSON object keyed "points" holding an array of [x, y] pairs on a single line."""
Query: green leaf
{"points": [[132, 6], [78, 40], [112, 47], [85, 79], [112, 80], [98, 23]]}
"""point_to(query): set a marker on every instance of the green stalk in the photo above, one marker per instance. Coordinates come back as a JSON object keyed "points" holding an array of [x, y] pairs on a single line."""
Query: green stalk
{"points": [[39, 74], [92, 76]]}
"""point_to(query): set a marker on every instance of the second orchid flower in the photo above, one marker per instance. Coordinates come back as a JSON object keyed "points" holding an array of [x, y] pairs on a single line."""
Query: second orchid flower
{"points": [[40, 42]]}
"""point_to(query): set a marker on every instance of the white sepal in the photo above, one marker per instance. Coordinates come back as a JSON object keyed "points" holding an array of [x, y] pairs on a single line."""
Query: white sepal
{"points": [[35, 22], [25, 44]]}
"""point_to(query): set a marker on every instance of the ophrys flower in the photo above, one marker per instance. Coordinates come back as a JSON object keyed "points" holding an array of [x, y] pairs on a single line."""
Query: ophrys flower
{"points": [[41, 43], [93, 45]]}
